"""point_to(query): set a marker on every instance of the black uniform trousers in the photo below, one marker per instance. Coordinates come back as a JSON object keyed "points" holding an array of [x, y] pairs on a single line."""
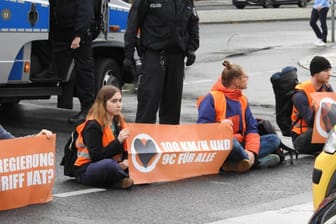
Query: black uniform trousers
{"points": [[85, 78], [160, 87]]}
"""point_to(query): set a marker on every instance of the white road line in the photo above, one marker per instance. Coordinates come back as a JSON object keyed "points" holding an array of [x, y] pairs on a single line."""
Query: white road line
{"points": [[74, 193], [290, 215]]}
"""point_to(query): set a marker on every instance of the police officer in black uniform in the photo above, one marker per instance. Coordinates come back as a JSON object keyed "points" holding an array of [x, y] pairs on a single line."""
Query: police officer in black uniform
{"points": [[72, 22], [169, 33]]}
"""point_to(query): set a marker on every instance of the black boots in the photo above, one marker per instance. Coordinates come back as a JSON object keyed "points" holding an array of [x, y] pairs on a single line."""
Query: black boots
{"points": [[78, 118]]}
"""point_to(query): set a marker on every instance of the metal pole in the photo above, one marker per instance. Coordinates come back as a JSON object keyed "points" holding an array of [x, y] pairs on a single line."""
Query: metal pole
{"points": [[332, 21]]}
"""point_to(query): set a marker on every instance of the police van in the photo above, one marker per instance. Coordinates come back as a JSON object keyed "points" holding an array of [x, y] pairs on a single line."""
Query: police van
{"points": [[31, 69]]}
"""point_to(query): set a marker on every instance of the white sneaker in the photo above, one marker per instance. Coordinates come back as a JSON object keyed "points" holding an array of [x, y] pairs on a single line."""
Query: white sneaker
{"points": [[318, 41], [321, 44]]}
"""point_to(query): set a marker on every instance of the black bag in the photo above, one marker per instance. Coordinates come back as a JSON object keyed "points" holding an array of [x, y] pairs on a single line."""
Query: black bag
{"points": [[283, 84], [266, 127], [70, 155]]}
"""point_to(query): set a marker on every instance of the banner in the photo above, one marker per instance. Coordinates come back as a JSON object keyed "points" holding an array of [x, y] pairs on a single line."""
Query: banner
{"points": [[160, 153], [27, 171], [325, 115]]}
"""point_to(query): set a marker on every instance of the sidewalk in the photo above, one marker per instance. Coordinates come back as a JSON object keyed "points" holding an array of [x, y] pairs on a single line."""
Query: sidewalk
{"points": [[224, 12], [253, 15]]}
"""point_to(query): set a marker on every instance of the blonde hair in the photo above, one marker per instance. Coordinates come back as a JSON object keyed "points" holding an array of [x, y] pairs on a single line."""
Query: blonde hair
{"points": [[98, 109], [230, 73]]}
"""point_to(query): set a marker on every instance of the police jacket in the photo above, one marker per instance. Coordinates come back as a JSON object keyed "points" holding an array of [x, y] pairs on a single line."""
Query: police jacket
{"points": [[170, 25], [224, 103], [71, 18]]}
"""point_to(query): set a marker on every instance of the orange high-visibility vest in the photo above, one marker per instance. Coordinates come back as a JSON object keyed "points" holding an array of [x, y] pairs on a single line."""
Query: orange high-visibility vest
{"points": [[301, 125], [83, 156]]}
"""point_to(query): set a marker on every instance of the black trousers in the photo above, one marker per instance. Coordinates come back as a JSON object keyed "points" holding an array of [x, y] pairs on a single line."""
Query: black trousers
{"points": [[322, 16], [160, 88], [303, 144], [85, 78]]}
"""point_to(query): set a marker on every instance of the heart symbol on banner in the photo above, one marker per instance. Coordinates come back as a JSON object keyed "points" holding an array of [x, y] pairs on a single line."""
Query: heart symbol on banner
{"points": [[146, 151]]}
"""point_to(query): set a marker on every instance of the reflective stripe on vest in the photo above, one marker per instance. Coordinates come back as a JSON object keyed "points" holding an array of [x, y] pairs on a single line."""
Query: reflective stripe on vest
{"points": [[83, 155], [301, 125]]}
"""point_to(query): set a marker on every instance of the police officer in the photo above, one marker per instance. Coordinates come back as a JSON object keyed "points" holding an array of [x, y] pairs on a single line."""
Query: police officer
{"points": [[72, 21], [168, 32]]}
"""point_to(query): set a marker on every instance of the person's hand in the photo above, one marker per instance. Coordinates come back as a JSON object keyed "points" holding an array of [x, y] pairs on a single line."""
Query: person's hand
{"points": [[123, 135], [227, 121], [251, 156], [75, 43], [190, 58], [129, 66], [124, 164], [45, 132]]}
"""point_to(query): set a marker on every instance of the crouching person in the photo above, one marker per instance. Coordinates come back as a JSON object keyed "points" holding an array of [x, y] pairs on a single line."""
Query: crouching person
{"points": [[226, 103], [102, 150]]}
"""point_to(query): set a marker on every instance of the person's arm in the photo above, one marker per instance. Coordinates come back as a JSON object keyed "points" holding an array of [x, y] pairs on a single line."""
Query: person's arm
{"points": [[4, 134], [84, 19], [133, 25], [193, 30], [206, 110], [92, 137], [300, 101]]}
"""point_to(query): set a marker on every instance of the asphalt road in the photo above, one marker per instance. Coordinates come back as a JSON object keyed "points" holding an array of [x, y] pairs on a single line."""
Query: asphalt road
{"points": [[262, 49]]}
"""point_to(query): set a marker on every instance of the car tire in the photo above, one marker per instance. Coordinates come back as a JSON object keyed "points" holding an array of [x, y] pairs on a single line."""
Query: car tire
{"points": [[276, 5], [240, 5], [331, 186], [107, 72], [303, 3], [268, 3]]}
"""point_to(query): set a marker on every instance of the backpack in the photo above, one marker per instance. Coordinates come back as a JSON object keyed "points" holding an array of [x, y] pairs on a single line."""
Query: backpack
{"points": [[70, 154], [100, 6], [283, 84]]}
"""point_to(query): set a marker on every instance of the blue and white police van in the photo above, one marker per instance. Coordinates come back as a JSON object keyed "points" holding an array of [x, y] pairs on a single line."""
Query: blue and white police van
{"points": [[30, 69]]}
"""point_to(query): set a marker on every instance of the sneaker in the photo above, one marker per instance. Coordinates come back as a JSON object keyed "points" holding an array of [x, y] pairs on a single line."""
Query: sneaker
{"points": [[78, 118], [321, 43], [239, 167], [125, 183], [318, 41], [271, 160]]}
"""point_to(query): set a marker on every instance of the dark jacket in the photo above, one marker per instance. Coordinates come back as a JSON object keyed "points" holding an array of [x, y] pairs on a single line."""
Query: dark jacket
{"points": [[71, 18], [163, 24]]}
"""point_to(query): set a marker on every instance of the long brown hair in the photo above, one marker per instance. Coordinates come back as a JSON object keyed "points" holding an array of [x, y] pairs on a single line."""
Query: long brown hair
{"points": [[98, 109], [230, 73]]}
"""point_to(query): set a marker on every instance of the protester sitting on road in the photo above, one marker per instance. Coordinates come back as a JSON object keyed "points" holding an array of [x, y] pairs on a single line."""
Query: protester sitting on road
{"points": [[4, 134], [303, 110], [102, 150], [226, 103]]}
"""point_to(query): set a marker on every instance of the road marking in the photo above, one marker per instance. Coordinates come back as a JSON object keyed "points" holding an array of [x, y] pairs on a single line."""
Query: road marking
{"points": [[290, 215], [74, 193]]}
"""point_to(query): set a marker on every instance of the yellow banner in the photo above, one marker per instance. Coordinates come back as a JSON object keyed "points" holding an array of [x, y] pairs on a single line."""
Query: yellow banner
{"points": [[159, 153], [27, 171]]}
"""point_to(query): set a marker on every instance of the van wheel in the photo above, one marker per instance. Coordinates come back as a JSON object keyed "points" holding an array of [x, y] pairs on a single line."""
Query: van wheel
{"points": [[107, 72], [302, 3], [240, 5], [268, 3], [276, 5]]}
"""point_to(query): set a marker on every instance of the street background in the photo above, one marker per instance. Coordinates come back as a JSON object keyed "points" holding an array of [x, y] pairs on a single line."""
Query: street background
{"points": [[262, 48]]}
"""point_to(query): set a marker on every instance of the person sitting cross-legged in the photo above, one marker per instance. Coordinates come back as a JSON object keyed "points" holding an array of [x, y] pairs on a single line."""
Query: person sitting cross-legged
{"points": [[226, 103]]}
